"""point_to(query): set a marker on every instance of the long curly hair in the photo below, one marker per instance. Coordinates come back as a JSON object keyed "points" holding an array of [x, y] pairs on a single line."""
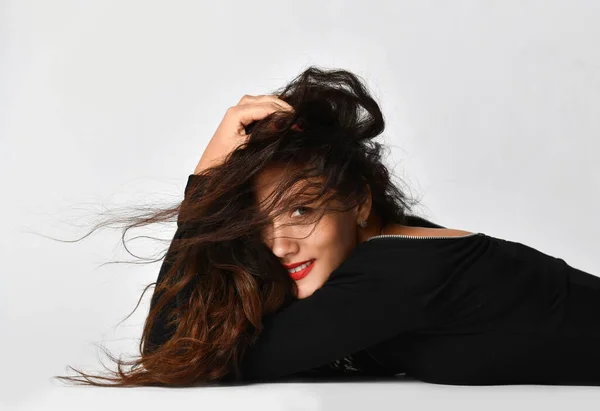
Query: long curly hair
{"points": [[219, 269]]}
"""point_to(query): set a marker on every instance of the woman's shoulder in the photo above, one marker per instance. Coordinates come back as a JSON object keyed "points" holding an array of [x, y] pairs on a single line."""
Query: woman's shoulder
{"points": [[414, 231], [415, 226], [416, 221]]}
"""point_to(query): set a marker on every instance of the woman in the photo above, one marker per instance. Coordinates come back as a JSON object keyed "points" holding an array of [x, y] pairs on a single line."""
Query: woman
{"points": [[296, 256]]}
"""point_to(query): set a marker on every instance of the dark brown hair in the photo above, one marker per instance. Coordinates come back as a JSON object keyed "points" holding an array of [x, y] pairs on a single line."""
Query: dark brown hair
{"points": [[229, 276]]}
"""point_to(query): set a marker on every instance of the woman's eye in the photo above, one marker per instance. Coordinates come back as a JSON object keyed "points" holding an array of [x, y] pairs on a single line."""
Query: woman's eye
{"points": [[303, 208]]}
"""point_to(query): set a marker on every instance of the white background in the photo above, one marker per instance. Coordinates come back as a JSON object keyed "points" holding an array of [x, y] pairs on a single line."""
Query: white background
{"points": [[492, 117]]}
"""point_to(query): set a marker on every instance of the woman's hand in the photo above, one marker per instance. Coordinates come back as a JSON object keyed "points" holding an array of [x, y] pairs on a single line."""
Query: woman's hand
{"points": [[231, 132]]}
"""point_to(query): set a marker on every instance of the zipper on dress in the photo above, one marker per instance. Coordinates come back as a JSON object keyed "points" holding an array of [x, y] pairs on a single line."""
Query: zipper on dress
{"points": [[420, 237]]}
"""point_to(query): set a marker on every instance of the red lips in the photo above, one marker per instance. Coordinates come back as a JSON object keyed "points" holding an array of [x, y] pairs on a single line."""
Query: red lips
{"points": [[295, 264]]}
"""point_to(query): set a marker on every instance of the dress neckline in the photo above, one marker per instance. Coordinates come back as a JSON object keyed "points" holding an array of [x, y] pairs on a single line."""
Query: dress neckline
{"points": [[417, 237]]}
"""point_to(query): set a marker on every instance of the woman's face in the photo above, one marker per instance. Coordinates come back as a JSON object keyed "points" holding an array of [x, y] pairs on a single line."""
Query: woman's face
{"points": [[328, 242]]}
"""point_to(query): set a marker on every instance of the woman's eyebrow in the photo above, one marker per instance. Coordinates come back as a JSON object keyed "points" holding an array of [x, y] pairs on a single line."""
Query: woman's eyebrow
{"points": [[304, 197]]}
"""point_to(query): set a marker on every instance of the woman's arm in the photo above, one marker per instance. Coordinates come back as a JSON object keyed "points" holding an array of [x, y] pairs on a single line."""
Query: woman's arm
{"points": [[355, 309]]}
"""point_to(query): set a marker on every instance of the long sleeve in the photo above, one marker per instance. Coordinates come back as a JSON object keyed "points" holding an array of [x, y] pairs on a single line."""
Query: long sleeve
{"points": [[356, 308], [160, 332]]}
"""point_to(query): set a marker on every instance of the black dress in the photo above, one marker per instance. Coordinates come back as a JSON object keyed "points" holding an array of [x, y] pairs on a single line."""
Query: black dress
{"points": [[468, 310]]}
